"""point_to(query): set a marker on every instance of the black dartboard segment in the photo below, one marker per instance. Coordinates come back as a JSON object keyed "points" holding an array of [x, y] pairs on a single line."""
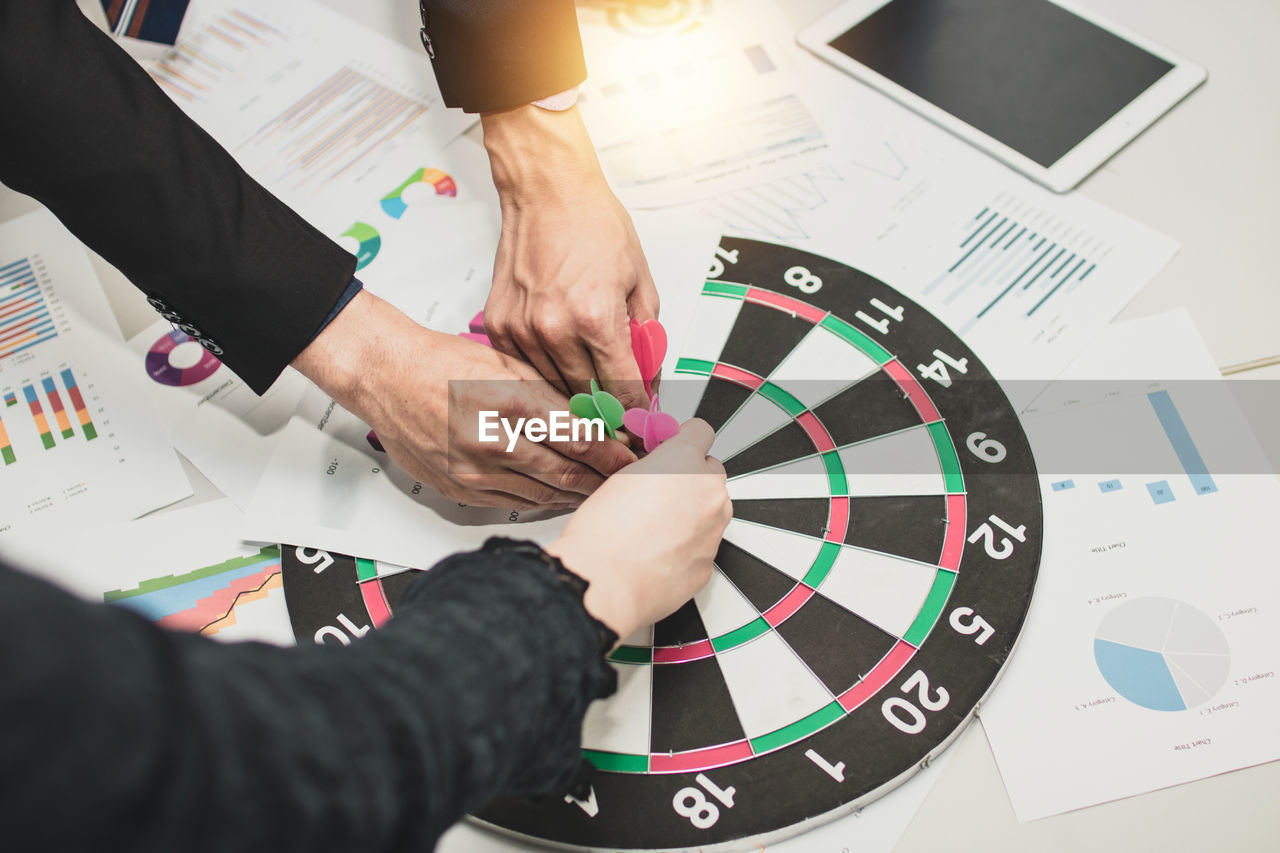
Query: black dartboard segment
{"points": [[877, 572]]}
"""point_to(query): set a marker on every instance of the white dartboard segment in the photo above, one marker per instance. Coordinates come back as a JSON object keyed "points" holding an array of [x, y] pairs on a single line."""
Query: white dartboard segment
{"points": [[789, 552], [822, 366]]}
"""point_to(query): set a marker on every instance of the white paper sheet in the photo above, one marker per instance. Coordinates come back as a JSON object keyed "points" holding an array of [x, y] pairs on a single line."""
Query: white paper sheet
{"points": [[76, 442], [322, 111], [1025, 276], [186, 569], [1151, 655], [683, 103]]}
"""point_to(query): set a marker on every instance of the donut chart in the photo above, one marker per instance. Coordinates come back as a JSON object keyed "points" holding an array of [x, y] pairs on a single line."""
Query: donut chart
{"points": [[369, 243], [881, 560], [393, 204], [163, 371]]}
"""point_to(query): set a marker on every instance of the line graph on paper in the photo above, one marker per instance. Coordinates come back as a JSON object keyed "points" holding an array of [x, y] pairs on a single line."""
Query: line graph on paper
{"points": [[778, 210]]}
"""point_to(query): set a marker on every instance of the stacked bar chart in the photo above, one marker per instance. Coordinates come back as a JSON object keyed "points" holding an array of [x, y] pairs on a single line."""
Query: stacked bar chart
{"points": [[77, 400], [54, 415], [25, 321], [59, 410], [6, 446], [37, 415]]}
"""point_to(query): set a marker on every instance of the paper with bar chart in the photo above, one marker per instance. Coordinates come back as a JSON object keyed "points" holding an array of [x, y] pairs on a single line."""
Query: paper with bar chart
{"points": [[1152, 652], [322, 111], [73, 440], [1027, 277]]}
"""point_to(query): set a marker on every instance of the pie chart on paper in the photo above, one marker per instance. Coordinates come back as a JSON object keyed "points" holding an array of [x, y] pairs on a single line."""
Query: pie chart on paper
{"points": [[1162, 654]]}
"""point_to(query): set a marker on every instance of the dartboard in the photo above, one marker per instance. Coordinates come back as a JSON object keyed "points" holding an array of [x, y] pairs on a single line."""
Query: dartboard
{"points": [[879, 566]]}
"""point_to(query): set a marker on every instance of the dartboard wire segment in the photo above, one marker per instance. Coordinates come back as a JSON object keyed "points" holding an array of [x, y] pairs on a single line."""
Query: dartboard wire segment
{"points": [[860, 610]]}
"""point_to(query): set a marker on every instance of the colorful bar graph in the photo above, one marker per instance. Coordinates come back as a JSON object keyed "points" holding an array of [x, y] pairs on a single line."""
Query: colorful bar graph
{"points": [[82, 411], [59, 410], [24, 316], [10, 399], [1180, 438], [6, 447], [37, 414]]}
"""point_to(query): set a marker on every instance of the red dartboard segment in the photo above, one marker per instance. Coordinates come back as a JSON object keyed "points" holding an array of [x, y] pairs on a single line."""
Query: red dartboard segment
{"points": [[679, 654], [785, 303], [817, 433], [914, 390], [738, 376], [953, 545], [876, 680], [701, 759]]}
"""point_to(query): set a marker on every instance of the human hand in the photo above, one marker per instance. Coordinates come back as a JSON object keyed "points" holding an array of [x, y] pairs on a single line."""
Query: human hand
{"points": [[421, 391], [646, 539], [569, 272]]}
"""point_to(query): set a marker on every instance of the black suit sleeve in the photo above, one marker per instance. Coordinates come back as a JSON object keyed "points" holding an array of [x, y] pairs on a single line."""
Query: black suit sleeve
{"points": [[90, 135], [493, 55], [121, 736]]}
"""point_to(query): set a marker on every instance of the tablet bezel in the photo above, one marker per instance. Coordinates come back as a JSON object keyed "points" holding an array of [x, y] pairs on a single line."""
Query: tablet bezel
{"points": [[1074, 166]]}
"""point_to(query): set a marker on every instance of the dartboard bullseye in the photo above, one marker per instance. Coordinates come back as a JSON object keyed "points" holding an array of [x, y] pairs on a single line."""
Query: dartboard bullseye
{"points": [[885, 542]]}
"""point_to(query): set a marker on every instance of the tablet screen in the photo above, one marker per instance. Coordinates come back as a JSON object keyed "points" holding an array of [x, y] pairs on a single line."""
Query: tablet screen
{"points": [[1025, 72]]}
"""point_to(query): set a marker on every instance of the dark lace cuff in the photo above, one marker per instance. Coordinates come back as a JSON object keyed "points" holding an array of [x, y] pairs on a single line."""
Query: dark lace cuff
{"points": [[579, 785], [605, 636]]}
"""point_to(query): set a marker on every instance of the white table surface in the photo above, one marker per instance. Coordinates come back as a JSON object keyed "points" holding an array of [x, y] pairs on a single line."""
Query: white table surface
{"points": [[1208, 174]]}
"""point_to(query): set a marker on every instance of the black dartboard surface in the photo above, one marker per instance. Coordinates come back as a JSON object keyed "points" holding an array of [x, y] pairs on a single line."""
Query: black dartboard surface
{"points": [[885, 542]]}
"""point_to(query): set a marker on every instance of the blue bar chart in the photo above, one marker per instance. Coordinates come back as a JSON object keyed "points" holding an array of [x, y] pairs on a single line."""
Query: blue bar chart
{"points": [[1018, 256], [1180, 438], [25, 321]]}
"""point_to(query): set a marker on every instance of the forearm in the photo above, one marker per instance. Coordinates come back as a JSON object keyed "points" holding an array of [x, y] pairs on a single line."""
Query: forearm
{"points": [[541, 156], [90, 135], [128, 737]]}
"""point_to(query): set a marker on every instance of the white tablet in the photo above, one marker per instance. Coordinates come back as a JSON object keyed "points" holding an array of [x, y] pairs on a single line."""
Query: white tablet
{"points": [[1046, 87]]}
